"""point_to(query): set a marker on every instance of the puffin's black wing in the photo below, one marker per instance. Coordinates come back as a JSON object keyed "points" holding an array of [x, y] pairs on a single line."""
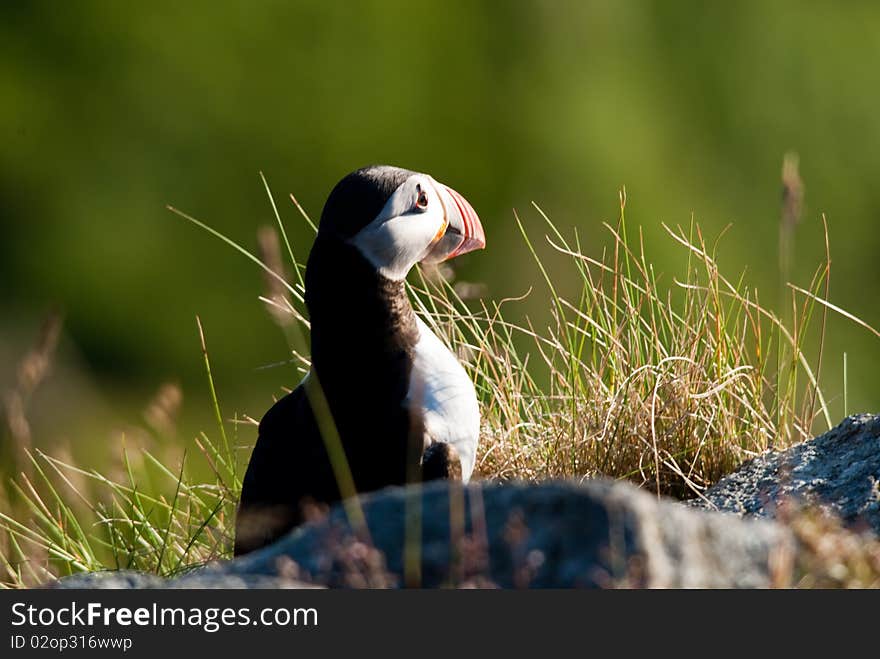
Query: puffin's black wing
{"points": [[288, 470]]}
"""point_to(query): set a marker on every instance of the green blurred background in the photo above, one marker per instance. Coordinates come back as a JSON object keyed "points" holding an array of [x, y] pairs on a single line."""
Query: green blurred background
{"points": [[110, 111]]}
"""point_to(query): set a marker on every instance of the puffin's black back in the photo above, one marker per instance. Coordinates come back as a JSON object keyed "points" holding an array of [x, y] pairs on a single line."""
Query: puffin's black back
{"points": [[363, 335]]}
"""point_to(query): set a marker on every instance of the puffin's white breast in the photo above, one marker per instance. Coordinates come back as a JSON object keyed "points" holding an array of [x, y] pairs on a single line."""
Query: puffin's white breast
{"points": [[447, 396]]}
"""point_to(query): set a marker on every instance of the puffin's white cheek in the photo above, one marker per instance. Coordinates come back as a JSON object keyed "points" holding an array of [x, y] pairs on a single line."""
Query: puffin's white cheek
{"points": [[396, 245], [412, 236]]}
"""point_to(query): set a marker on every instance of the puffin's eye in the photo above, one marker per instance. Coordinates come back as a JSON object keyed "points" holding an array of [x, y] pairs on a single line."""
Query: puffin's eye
{"points": [[421, 199]]}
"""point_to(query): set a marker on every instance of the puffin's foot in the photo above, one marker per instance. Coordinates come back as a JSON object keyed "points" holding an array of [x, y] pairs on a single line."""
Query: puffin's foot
{"points": [[441, 461]]}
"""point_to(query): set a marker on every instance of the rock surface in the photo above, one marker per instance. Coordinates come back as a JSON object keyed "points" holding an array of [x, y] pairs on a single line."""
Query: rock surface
{"points": [[555, 534], [564, 534], [839, 470], [209, 577]]}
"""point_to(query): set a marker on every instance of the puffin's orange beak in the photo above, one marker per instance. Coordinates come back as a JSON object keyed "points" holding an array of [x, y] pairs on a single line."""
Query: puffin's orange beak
{"points": [[464, 232], [463, 220]]}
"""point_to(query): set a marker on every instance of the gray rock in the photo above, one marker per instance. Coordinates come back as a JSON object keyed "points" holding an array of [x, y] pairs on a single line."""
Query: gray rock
{"points": [[110, 580], [213, 576], [839, 470], [556, 534], [562, 534]]}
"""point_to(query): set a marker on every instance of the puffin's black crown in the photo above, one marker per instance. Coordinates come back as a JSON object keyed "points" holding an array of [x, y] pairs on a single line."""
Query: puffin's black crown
{"points": [[358, 198]]}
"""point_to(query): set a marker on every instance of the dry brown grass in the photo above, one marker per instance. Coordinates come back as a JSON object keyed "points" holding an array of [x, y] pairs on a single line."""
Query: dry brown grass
{"points": [[668, 386]]}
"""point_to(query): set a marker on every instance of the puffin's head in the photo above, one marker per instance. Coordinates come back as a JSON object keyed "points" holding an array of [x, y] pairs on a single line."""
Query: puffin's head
{"points": [[397, 218]]}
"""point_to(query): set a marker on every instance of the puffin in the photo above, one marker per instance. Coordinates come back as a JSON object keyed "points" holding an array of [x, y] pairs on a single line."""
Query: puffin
{"points": [[400, 403]]}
